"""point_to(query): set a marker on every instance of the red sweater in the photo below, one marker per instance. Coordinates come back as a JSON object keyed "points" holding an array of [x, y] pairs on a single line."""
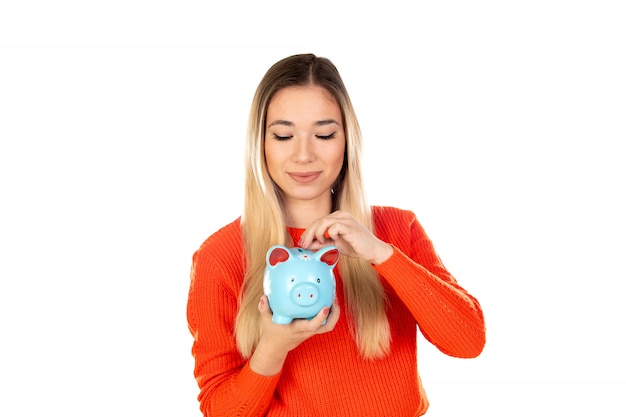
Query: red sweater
{"points": [[325, 376]]}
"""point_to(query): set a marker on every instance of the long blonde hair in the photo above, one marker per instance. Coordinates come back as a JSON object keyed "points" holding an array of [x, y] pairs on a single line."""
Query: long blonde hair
{"points": [[263, 223]]}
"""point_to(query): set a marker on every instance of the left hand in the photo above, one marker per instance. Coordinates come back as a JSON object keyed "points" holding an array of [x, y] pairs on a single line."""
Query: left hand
{"points": [[350, 237]]}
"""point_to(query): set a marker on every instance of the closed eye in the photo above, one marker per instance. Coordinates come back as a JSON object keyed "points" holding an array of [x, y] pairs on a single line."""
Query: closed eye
{"points": [[326, 137], [277, 137]]}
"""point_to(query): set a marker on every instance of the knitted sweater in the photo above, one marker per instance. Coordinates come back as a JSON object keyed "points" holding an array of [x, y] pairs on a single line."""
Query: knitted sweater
{"points": [[325, 375]]}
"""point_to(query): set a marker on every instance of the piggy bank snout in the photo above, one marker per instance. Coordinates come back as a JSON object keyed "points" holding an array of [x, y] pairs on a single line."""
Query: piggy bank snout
{"points": [[305, 294]]}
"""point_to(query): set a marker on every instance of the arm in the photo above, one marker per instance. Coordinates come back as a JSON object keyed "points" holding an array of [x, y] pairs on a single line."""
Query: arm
{"points": [[405, 258], [448, 316], [228, 386]]}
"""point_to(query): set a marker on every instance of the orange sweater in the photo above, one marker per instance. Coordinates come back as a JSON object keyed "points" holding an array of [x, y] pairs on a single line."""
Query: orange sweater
{"points": [[325, 376]]}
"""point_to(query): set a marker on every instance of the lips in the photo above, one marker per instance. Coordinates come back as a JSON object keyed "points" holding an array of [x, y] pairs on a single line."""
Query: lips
{"points": [[305, 177]]}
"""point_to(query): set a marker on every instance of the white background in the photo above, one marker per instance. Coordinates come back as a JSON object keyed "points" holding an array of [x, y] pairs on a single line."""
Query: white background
{"points": [[501, 124]]}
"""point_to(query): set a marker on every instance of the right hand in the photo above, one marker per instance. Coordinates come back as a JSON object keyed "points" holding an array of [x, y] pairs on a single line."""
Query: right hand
{"points": [[278, 340]]}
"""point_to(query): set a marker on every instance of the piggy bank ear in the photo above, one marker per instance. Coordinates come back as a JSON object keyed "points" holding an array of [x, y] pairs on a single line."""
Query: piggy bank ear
{"points": [[329, 255], [276, 254]]}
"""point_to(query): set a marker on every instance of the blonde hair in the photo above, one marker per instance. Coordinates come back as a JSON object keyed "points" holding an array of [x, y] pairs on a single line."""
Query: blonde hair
{"points": [[263, 223]]}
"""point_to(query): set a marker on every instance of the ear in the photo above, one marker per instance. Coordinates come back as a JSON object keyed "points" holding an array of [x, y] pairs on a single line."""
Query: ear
{"points": [[329, 255], [276, 254]]}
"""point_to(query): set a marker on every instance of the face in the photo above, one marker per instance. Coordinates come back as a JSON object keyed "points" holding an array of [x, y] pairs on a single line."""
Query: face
{"points": [[304, 143]]}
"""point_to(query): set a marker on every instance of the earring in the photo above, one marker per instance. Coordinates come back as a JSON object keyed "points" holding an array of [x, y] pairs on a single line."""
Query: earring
{"points": [[332, 191]]}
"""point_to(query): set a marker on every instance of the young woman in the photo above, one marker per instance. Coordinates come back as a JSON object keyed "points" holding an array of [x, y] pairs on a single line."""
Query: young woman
{"points": [[303, 188]]}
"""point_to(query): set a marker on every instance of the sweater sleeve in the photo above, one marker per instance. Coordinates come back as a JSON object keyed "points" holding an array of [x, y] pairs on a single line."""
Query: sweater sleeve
{"points": [[447, 315], [228, 386]]}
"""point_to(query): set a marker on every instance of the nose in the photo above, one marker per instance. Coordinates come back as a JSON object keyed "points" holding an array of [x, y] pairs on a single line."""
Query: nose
{"points": [[303, 151], [305, 294]]}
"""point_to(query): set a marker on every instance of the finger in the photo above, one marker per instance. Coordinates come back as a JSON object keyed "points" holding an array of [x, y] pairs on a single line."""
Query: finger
{"points": [[317, 321], [332, 318], [315, 232], [335, 230], [315, 246], [326, 230], [264, 306], [323, 229]]}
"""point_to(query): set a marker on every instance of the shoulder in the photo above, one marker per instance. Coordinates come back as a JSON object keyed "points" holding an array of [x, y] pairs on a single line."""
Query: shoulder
{"points": [[394, 225], [222, 251], [227, 237], [384, 215]]}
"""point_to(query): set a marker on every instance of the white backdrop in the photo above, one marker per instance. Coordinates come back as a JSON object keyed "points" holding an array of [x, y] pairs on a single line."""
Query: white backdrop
{"points": [[501, 124]]}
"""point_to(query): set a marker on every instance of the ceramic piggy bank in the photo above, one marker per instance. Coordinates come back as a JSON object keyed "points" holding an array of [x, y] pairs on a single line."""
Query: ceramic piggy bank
{"points": [[299, 283]]}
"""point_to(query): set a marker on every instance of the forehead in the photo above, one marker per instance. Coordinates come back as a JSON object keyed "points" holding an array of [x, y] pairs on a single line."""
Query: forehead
{"points": [[302, 104]]}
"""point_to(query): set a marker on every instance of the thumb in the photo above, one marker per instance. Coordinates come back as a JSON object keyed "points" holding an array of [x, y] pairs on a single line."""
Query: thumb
{"points": [[264, 306]]}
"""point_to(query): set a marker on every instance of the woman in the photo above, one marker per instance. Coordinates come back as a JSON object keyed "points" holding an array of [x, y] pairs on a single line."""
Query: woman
{"points": [[303, 188]]}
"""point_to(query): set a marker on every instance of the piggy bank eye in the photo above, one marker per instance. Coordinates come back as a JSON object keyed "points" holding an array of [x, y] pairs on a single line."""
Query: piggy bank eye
{"points": [[319, 280], [293, 279]]}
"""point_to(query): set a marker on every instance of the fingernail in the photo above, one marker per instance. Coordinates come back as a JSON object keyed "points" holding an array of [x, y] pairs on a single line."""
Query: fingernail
{"points": [[326, 311]]}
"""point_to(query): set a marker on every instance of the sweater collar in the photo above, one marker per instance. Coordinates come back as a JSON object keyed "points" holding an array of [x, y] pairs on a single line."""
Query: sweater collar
{"points": [[295, 233]]}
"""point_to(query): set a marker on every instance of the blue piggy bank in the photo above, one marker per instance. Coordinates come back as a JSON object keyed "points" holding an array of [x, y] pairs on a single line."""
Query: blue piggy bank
{"points": [[298, 282]]}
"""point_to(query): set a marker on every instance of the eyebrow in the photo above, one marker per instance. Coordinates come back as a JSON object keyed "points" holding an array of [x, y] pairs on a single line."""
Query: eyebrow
{"points": [[318, 123]]}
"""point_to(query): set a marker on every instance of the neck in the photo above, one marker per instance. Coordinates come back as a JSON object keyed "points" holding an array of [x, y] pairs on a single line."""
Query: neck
{"points": [[301, 213]]}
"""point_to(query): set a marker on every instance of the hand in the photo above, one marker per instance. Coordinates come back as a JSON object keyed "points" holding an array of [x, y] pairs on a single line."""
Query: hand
{"points": [[350, 237], [278, 340]]}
